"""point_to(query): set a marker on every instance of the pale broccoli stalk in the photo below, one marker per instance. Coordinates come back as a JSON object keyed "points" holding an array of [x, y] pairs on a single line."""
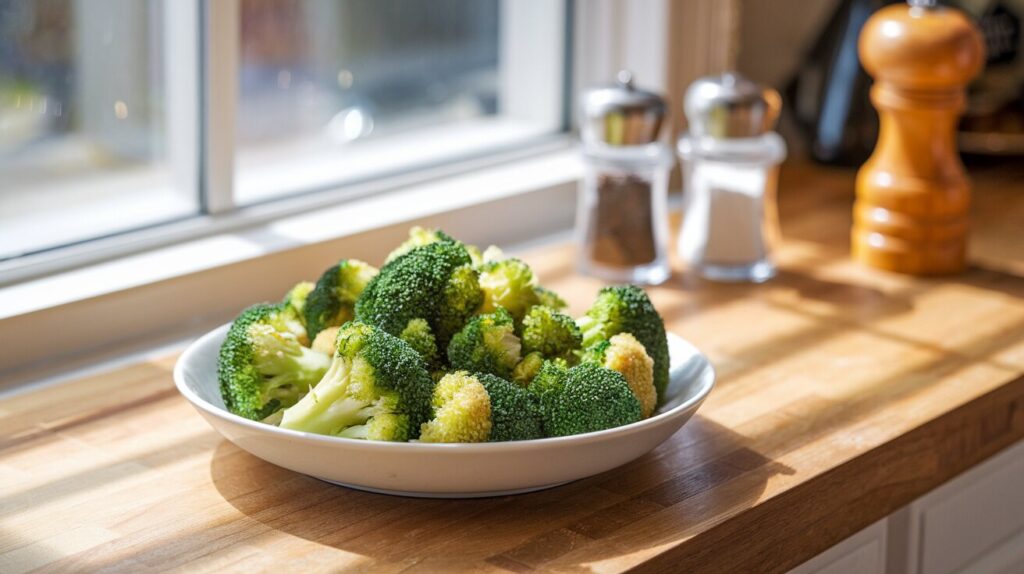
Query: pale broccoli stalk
{"points": [[377, 388]]}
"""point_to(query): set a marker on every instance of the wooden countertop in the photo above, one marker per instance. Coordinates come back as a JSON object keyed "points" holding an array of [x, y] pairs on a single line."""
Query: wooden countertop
{"points": [[844, 393]]}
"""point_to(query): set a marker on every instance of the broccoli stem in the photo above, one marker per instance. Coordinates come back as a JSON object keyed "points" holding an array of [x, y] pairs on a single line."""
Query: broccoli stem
{"points": [[326, 409]]}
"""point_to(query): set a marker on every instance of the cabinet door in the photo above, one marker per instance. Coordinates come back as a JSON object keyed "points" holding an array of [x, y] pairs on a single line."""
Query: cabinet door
{"points": [[974, 523], [862, 553]]}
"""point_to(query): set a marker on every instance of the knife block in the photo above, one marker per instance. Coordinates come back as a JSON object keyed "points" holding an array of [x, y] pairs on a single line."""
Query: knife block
{"points": [[913, 198]]}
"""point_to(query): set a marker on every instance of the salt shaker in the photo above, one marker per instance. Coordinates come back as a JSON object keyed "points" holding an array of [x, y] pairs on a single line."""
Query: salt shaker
{"points": [[622, 219], [730, 159]]}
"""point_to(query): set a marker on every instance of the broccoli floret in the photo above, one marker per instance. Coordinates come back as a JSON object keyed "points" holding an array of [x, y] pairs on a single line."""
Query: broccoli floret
{"points": [[549, 298], [419, 336], [418, 237], [481, 407], [550, 333], [627, 309], [434, 282], [507, 284], [588, 398], [527, 369], [549, 381], [487, 344], [262, 367], [331, 302], [376, 388], [624, 354]]}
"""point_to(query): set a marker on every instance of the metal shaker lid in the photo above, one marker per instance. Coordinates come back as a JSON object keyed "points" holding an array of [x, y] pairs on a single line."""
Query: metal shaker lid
{"points": [[730, 106], [621, 114]]}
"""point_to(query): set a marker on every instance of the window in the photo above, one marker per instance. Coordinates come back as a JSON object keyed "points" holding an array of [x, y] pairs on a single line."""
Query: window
{"points": [[100, 102], [89, 144]]}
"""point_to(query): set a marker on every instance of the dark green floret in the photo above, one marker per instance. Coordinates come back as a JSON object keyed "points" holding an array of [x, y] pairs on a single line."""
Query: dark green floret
{"points": [[588, 398], [550, 333], [515, 413], [331, 302], [377, 388], [434, 282], [419, 336], [627, 309], [262, 366], [487, 344]]}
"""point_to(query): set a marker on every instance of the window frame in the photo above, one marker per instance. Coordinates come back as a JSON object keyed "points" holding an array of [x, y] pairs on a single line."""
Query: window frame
{"points": [[607, 35]]}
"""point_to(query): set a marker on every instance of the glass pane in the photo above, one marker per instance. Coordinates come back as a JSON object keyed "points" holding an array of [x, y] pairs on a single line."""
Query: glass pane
{"points": [[85, 150], [338, 91]]}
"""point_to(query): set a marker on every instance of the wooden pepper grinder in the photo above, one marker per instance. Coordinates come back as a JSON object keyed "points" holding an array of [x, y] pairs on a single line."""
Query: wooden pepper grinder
{"points": [[913, 197]]}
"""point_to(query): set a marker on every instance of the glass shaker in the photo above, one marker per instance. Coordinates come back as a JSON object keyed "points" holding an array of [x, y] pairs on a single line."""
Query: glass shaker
{"points": [[730, 159], [622, 225]]}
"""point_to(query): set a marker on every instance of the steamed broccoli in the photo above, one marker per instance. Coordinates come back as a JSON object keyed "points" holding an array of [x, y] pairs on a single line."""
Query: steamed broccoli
{"points": [[419, 336], [507, 284], [418, 237], [550, 333], [624, 354], [627, 309], [481, 407], [487, 344], [549, 298], [376, 388], [434, 282], [586, 398], [527, 369], [262, 367], [331, 302]]}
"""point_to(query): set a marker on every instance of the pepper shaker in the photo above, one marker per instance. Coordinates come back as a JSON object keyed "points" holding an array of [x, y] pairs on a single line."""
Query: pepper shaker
{"points": [[912, 213], [730, 161], [622, 216]]}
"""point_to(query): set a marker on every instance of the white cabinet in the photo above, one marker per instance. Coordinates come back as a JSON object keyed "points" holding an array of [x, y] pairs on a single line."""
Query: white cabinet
{"points": [[972, 524], [862, 553]]}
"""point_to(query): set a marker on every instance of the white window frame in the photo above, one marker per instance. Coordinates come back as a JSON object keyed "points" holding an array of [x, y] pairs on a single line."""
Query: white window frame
{"points": [[124, 294]]}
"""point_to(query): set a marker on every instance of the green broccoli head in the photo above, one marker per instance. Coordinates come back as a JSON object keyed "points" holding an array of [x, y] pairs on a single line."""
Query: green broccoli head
{"points": [[507, 284], [587, 398], [627, 309], [479, 408], [434, 282], [418, 237], [262, 366], [549, 298], [487, 344], [550, 333], [527, 369], [548, 381], [419, 336], [377, 388], [624, 354], [331, 302]]}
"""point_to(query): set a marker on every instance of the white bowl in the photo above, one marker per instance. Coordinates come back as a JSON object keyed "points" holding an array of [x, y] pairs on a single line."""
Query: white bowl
{"points": [[446, 470]]}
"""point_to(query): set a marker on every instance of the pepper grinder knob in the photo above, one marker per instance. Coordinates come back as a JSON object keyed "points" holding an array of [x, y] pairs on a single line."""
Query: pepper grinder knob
{"points": [[911, 213]]}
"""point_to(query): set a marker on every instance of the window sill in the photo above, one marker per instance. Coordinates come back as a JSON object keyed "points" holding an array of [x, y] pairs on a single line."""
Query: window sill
{"points": [[152, 297]]}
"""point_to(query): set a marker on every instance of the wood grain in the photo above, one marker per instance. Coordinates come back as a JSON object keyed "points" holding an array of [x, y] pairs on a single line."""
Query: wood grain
{"points": [[844, 393]]}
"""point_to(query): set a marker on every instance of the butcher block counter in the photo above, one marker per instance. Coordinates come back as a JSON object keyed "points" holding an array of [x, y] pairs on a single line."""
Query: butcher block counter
{"points": [[843, 394]]}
